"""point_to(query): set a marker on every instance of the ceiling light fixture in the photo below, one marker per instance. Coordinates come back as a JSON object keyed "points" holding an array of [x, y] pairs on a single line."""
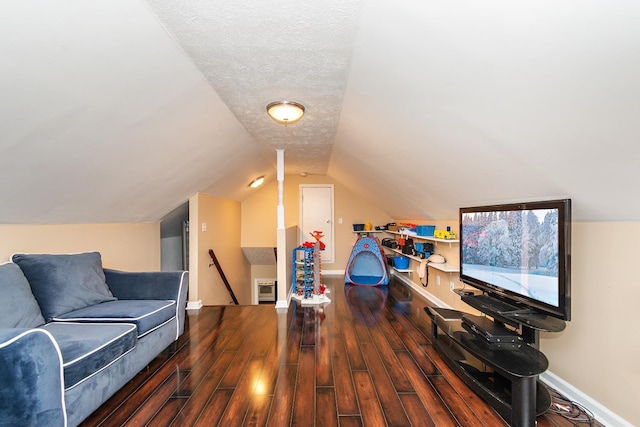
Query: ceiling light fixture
{"points": [[285, 112], [257, 182]]}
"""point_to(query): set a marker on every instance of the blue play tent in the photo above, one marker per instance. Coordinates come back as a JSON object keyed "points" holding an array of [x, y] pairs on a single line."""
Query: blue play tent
{"points": [[367, 264]]}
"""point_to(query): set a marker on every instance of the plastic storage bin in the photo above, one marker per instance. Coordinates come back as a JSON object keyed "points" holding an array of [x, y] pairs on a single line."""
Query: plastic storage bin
{"points": [[401, 262], [425, 230]]}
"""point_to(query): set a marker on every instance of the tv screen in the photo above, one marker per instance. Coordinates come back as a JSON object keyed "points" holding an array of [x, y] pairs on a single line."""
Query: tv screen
{"points": [[519, 252]]}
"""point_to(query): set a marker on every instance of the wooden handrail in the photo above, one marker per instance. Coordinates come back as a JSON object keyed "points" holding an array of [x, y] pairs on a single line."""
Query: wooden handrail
{"points": [[224, 278]]}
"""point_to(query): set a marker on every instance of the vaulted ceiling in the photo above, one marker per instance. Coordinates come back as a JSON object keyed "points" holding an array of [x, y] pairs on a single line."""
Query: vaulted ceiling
{"points": [[120, 110]]}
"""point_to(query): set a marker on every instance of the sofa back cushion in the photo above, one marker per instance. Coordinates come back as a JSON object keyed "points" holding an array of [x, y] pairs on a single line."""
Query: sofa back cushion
{"points": [[18, 307], [62, 283]]}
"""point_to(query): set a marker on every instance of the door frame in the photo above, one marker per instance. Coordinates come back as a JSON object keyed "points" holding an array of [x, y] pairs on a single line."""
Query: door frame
{"points": [[333, 231]]}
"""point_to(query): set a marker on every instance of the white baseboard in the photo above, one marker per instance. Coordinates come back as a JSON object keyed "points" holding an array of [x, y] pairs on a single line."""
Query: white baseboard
{"points": [[194, 305], [422, 291], [282, 305], [603, 414], [333, 272]]}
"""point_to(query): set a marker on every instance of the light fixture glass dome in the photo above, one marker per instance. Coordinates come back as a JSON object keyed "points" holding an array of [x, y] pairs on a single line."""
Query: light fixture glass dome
{"points": [[285, 112], [257, 182]]}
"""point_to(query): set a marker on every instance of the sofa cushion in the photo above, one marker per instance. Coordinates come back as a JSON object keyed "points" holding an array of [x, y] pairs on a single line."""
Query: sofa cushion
{"points": [[147, 315], [63, 283], [18, 307], [87, 348]]}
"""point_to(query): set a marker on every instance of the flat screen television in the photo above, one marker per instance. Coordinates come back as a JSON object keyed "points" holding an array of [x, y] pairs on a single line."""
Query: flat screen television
{"points": [[520, 253]]}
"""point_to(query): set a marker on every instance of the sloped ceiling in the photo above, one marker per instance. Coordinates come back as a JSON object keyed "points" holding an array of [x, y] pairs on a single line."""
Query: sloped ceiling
{"points": [[478, 102], [120, 110]]}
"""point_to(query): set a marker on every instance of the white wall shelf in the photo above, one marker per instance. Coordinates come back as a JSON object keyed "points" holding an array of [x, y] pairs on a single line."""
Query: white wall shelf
{"points": [[427, 238], [399, 252], [446, 267]]}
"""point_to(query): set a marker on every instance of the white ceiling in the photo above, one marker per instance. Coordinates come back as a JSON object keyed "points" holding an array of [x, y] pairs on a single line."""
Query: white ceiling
{"points": [[120, 110]]}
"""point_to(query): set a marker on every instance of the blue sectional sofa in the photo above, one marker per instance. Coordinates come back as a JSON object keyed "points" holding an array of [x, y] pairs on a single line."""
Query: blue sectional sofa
{"points": [[73, 333]]}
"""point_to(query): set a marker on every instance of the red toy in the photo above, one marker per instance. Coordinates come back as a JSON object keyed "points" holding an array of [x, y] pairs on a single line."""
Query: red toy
{"points": [[316, 235]]}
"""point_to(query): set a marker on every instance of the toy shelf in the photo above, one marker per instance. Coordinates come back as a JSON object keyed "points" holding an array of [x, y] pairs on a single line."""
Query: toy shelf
{"points": [[446, 267], [427, 238]]}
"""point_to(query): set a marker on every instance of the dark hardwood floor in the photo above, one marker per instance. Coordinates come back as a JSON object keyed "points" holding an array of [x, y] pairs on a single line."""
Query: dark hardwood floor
{"points": [[365, 359]]}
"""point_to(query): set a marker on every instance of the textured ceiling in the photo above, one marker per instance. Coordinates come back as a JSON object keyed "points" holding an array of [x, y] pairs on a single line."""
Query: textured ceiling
{"points": [[255, 52]]}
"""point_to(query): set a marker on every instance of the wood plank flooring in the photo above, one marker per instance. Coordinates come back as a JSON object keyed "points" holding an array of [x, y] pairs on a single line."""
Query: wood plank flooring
{"points": [[365, 359]]}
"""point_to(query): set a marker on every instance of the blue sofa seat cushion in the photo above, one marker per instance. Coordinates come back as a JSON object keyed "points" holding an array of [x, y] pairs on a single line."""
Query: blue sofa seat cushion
{"points": [[18, 306], [64, 282], [147, 315], [89, 348]]}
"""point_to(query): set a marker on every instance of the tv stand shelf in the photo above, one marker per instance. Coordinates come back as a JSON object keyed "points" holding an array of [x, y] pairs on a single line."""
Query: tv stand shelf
{"points": [[530, 322], [504, 374]]}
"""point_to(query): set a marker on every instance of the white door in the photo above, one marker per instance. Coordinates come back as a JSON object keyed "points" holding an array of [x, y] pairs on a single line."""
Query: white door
{"points": [[316, 214]]}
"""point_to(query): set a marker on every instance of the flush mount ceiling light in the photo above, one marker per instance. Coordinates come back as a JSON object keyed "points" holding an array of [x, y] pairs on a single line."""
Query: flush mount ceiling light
{"points": [[285, 112], [257, 182]]}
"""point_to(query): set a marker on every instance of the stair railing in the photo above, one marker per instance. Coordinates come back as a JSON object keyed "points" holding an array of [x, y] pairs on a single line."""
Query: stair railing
{"points": [[224, 278]]}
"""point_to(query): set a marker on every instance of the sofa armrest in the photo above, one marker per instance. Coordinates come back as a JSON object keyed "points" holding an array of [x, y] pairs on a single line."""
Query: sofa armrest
{"points": [[31, 384], [147, 285], [156, 285]]}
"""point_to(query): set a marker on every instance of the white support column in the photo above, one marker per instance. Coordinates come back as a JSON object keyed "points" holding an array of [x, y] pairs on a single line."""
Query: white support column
{"points": [[283, 285], [280, 171]]}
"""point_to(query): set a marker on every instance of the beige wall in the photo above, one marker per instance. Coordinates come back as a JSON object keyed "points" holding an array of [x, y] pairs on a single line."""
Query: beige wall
{"points": [[259, 215], [222, 218], [598, 352], [259, 222], [129, 247]]}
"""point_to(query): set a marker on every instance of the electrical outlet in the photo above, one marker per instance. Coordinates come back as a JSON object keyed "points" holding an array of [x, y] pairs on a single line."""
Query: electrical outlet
{"points": [[452, 286], [438, 280], [204, 226]]}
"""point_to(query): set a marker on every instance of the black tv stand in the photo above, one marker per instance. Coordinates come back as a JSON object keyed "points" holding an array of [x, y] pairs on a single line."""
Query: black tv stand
{"points": [[505, 375], [528, 321], [519, 312]]}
